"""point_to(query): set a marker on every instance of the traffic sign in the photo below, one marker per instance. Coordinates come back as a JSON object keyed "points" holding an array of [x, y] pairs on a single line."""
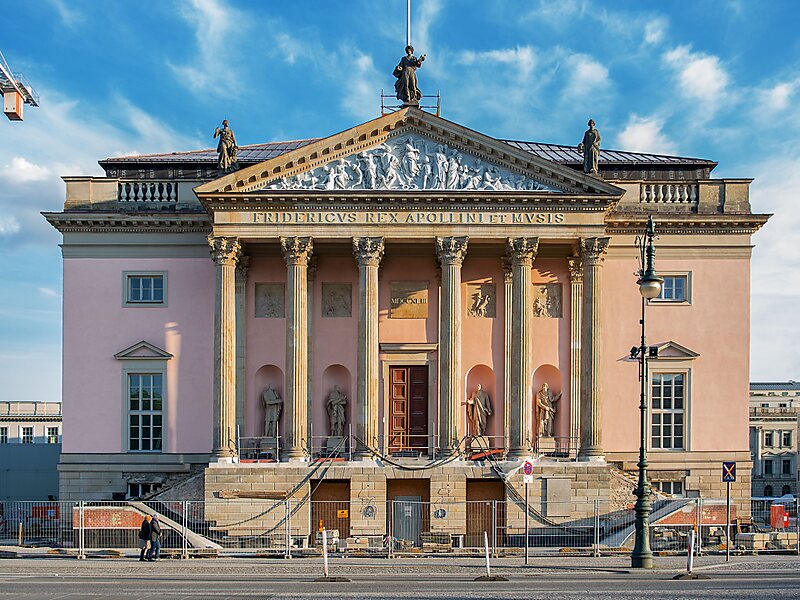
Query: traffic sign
{"points": [[728, 472], [527, 472]]}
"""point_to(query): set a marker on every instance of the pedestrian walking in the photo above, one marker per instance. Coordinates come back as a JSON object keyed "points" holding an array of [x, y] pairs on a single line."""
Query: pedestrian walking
{"points": [[144, 536], [155, 540]]}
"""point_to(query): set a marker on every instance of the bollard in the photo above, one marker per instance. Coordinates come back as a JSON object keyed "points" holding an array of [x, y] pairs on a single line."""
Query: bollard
{"points": [[690, 574], [20, 537], [488, 576], [326, 577]]}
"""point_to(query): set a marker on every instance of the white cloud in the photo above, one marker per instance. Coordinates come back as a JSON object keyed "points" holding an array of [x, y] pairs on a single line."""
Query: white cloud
{"points": [[68, 15], [587, 76], [215, 25], [778, 96], [364, 79], [557, 14], [700, 76], [655, 29], [521, 58], [21, 170], [645, 134], [49, 292], [8, 225]]}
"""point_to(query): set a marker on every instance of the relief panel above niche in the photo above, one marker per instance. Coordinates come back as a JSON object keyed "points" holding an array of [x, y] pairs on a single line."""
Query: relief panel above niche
{"points": [[270, 300], [547, 300], [409, 300], [337, 299], [410, 162]]}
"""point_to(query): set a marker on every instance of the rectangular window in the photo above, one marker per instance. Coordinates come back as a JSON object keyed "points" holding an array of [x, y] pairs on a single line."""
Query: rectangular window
{"points": [[674, 289], [145, 288], [765, 405], [787, 439], [668, 398], [27, 435], [145, 412], [786, 466], [3, 435], [768, 439], [674, 488], [52, 435], [140, 490], [768, 466]]}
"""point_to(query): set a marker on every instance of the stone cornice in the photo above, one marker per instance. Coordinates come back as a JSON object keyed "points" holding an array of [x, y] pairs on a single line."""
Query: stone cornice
{"points": [[413, 120], [621, 223], [67, 222]]}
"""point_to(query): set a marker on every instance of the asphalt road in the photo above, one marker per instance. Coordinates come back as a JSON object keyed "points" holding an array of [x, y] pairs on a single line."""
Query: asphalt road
{"points": [[68, 578]]}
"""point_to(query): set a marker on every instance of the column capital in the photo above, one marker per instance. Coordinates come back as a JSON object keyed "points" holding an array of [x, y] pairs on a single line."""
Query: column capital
{"points": [[297, 250], [225, 250], [368, 250], [593, 250], [242, 266], [451, 250], [575, 269], [522, 250]]}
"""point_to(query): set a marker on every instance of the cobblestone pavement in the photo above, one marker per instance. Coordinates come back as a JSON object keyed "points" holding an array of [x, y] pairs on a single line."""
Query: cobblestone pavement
{"points": [[568, 578]]}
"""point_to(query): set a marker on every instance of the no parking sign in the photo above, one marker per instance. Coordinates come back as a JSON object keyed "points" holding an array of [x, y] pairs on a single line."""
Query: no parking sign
{"points": [[527, 472]]}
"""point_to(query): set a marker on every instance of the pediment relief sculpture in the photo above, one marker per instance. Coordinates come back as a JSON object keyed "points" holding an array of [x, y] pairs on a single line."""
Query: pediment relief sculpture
{"points": [[410, 162]]}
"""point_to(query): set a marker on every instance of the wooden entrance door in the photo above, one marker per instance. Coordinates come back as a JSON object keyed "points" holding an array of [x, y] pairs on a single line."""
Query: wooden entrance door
{"points": [[408, 408]]}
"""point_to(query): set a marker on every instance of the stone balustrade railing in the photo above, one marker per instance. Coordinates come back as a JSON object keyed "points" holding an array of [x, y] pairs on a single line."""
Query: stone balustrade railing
{"points": [[147, 191], [668, 192]]}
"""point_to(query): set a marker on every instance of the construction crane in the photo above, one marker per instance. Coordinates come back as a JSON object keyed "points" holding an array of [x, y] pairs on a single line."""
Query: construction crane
{"points": [[16, 91]]}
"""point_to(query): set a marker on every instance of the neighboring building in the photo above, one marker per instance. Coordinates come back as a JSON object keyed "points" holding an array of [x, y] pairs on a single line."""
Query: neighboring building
{"points": [[30, 446], [405, 260], [774, 413]]}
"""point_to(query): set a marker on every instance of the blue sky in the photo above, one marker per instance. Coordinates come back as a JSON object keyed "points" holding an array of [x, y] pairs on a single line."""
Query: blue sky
{"points": [[716, 79]]}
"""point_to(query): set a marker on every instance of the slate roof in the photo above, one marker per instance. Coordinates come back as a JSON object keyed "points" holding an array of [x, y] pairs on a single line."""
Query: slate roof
{"points": [[775, 385], [568, 155]]}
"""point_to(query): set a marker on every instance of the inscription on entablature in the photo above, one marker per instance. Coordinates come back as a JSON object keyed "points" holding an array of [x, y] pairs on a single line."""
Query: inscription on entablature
{"points": [[547, 300], [270, 300], [337, 299], [388, 217], [481, 300], [409, 300]]}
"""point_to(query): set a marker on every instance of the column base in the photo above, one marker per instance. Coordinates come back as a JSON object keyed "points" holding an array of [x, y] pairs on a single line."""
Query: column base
{"points": [[518, 454], [592, 458], [224, 459]]}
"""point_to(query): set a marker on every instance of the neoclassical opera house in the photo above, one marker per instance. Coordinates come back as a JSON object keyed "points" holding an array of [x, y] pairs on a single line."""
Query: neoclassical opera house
{"points": [[338, 302]]}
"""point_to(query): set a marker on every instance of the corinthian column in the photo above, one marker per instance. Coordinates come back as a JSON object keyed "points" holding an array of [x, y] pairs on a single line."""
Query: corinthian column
{"points": [[592, 252], [576, 310], [368, 252], [450, 252], [225, 251], [241, 341], [521, 252], [296, 252]]}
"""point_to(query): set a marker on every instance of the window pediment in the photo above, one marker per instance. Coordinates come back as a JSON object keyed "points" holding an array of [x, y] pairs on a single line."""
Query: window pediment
{"points": [[143, 351]]}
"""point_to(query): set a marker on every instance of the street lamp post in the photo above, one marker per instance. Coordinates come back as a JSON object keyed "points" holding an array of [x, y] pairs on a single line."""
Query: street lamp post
{"points": [[649, 287]]}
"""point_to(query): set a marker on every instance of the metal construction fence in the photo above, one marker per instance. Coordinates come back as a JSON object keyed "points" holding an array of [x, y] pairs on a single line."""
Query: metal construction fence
{"points": [[402, 526]]}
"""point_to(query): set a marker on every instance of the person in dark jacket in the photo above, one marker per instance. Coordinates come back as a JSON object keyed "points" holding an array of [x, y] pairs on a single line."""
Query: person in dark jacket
{"points": [[144, 536], [155, 540]]}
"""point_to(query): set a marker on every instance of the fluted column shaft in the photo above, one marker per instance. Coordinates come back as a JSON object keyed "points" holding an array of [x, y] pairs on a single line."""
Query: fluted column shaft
{"points": [[241, 342], [507, 311], [521, 252], [592, 251], [451, 252], [368, 252], [576, 311], [296, 252], [225, 251]]}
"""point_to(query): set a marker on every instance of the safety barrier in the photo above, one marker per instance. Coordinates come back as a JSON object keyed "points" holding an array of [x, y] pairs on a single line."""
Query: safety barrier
{"points": [[402, 526]]}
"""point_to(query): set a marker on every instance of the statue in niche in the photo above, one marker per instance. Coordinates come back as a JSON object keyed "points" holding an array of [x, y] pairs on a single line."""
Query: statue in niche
{"points": [[590, 147], [227, 148], [546, 402], [337, 407], [479, 408], [406, 73], [273, 404]]}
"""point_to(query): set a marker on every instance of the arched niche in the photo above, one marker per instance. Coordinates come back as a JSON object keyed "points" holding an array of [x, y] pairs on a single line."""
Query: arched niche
{"points": [[484, 375], [552, 377], [332, 376], [268, 374]]}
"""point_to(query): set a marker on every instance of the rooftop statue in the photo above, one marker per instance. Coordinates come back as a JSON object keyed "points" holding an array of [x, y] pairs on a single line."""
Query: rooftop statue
{"points": [[227, 148], [590, 147], [406, 73]]}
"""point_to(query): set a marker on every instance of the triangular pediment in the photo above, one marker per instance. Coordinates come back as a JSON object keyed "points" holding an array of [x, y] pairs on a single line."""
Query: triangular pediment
{"points": [[674, 351], [143, 351], [409, 150]]}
